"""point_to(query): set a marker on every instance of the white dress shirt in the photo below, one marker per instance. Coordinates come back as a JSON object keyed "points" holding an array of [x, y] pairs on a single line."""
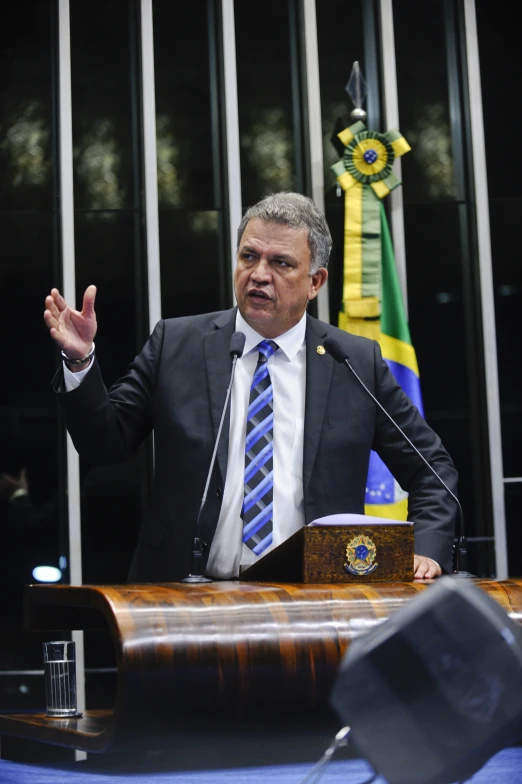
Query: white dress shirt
{"points": [[287, 368]]}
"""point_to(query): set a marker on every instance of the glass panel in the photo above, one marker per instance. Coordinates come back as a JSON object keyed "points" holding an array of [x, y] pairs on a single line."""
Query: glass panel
{"points": [[436, 316], [186, 131], [511, 421], [108, 243], [112, 497], [500, 72], [194, 273], [513, 500], [106, 255], [265, 93], [27, 273], [191, 271], [436, 303], [26, 169], [505, 217], [422, 83], [337, 52], [30, 521], [108, 246], [112, 506], [334, 211], [481, 557], [101, 96], [442, 294], [32, 465]]}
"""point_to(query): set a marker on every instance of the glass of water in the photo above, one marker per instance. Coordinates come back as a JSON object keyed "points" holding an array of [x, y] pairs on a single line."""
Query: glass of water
{"points": [[60, 678]]}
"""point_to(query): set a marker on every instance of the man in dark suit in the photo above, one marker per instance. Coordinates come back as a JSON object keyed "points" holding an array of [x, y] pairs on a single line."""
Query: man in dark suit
{"points": [[324, 425]]}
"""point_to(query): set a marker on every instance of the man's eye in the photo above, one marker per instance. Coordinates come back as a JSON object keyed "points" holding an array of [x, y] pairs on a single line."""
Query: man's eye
{"points": [[282, 263]]}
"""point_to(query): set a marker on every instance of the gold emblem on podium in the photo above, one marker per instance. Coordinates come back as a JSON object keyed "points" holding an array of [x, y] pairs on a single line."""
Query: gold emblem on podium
{"points": [[360, 556]]}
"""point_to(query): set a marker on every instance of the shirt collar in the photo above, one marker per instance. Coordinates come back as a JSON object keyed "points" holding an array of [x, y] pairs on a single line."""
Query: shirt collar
{"points": [[289, 342]]}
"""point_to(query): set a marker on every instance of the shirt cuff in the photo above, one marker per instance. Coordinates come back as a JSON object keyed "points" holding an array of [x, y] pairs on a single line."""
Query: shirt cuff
{"points": [[73, 380]]}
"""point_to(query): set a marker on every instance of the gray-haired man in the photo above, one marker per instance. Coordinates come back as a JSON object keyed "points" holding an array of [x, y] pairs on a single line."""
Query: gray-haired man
{"points": [[315, 426]]}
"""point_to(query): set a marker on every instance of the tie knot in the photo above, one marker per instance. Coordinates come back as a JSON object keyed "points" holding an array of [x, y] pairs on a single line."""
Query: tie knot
{"points": [[266, 349]]}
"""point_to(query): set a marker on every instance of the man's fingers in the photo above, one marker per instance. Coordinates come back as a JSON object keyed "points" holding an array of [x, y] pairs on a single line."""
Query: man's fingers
{"points": [[50, 318], [58, 300], [88, 302], [420, 569], [54, 306], [425, 568], [53, 325], [50, 306]]}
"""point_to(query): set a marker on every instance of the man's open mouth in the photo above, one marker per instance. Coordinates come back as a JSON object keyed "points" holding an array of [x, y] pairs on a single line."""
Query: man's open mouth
{"points": [[258, 295]]}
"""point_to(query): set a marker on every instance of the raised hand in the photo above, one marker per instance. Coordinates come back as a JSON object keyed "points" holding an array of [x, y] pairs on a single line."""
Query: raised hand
{"points": [[73, 331]]}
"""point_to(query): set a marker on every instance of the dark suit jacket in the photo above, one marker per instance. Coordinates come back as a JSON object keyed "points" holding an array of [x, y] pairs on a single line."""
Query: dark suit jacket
{"points": [[177, 386]]}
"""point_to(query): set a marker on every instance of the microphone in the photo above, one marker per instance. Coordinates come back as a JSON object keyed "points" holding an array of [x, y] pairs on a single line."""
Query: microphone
{"points": [[237, 345], [338, 352]]}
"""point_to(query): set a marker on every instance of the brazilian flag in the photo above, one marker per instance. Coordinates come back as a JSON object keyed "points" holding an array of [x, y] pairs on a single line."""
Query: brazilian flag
{"points": [[384, 497]]}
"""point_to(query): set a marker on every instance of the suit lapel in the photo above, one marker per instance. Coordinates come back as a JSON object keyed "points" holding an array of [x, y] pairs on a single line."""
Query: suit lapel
{"points": [[318, 376], [218, 365]]}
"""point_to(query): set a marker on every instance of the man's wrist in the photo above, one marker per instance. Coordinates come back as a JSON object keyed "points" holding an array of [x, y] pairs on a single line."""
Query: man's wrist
{"points": [[78, 368], [76, 365]]}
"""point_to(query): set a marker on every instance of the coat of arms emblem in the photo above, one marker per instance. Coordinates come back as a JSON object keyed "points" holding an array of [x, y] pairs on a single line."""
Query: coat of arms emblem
{"points": [[360, 556]]}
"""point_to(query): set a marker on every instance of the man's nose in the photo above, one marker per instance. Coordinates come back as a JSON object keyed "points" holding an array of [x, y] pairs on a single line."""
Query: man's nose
{"points": [[262, 272]]}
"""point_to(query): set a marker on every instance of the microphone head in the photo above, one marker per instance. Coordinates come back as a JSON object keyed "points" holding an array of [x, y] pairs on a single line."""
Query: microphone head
{"points": [[237, 344], [335, 349]]}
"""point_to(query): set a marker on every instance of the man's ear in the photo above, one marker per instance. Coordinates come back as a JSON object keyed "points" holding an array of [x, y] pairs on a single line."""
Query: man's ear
{"points": [[317, 281]]}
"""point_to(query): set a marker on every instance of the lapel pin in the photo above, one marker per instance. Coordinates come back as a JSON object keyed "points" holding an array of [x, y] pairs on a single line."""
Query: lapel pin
{"points": [[321, 350]]}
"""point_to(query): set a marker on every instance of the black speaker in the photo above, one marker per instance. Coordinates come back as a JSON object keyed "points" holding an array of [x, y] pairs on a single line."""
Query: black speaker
{"points": [[435, 690]]}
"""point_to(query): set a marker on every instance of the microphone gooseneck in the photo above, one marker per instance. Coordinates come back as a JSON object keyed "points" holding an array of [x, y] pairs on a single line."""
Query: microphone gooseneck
{"points": [[337, 351], [237, 345]]}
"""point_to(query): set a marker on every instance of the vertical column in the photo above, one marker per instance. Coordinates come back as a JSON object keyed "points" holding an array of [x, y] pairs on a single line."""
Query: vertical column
{"points": [[391, 119], [371, 65], [150, 175], [315, 132], [69, 291], [235, 207], [486, 288]]}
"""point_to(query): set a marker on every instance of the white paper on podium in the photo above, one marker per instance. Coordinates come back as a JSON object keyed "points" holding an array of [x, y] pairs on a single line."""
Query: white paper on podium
{"points": [[356, 519]]}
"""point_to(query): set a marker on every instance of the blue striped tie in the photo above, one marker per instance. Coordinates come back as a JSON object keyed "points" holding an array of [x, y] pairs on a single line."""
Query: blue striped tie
{"points": [[257, 507]]}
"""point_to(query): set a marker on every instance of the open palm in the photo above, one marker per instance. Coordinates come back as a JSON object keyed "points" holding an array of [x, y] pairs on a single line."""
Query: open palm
{"points": [[72, 330]]}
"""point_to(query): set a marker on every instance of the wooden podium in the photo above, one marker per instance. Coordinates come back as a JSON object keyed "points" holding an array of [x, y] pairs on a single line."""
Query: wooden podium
{"points": [[216, 652], [378, 552]]}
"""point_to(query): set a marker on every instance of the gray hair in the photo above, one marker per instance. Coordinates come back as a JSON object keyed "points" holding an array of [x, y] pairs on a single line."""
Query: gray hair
{"points": [[298, 212]]}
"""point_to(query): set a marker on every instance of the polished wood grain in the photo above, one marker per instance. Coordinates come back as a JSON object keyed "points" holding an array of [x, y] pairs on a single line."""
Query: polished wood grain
{"points": [[224, 650]]}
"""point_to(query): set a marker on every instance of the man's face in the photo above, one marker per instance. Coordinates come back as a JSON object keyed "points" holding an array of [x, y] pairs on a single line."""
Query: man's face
{"points": [[272, 278]]}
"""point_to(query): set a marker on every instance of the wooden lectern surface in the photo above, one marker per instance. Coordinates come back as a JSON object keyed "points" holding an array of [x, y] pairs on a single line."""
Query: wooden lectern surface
{"points": [[227, 650]]}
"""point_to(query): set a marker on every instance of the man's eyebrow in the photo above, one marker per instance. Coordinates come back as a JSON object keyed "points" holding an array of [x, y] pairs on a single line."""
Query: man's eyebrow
{"points": [[282, 256]]}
